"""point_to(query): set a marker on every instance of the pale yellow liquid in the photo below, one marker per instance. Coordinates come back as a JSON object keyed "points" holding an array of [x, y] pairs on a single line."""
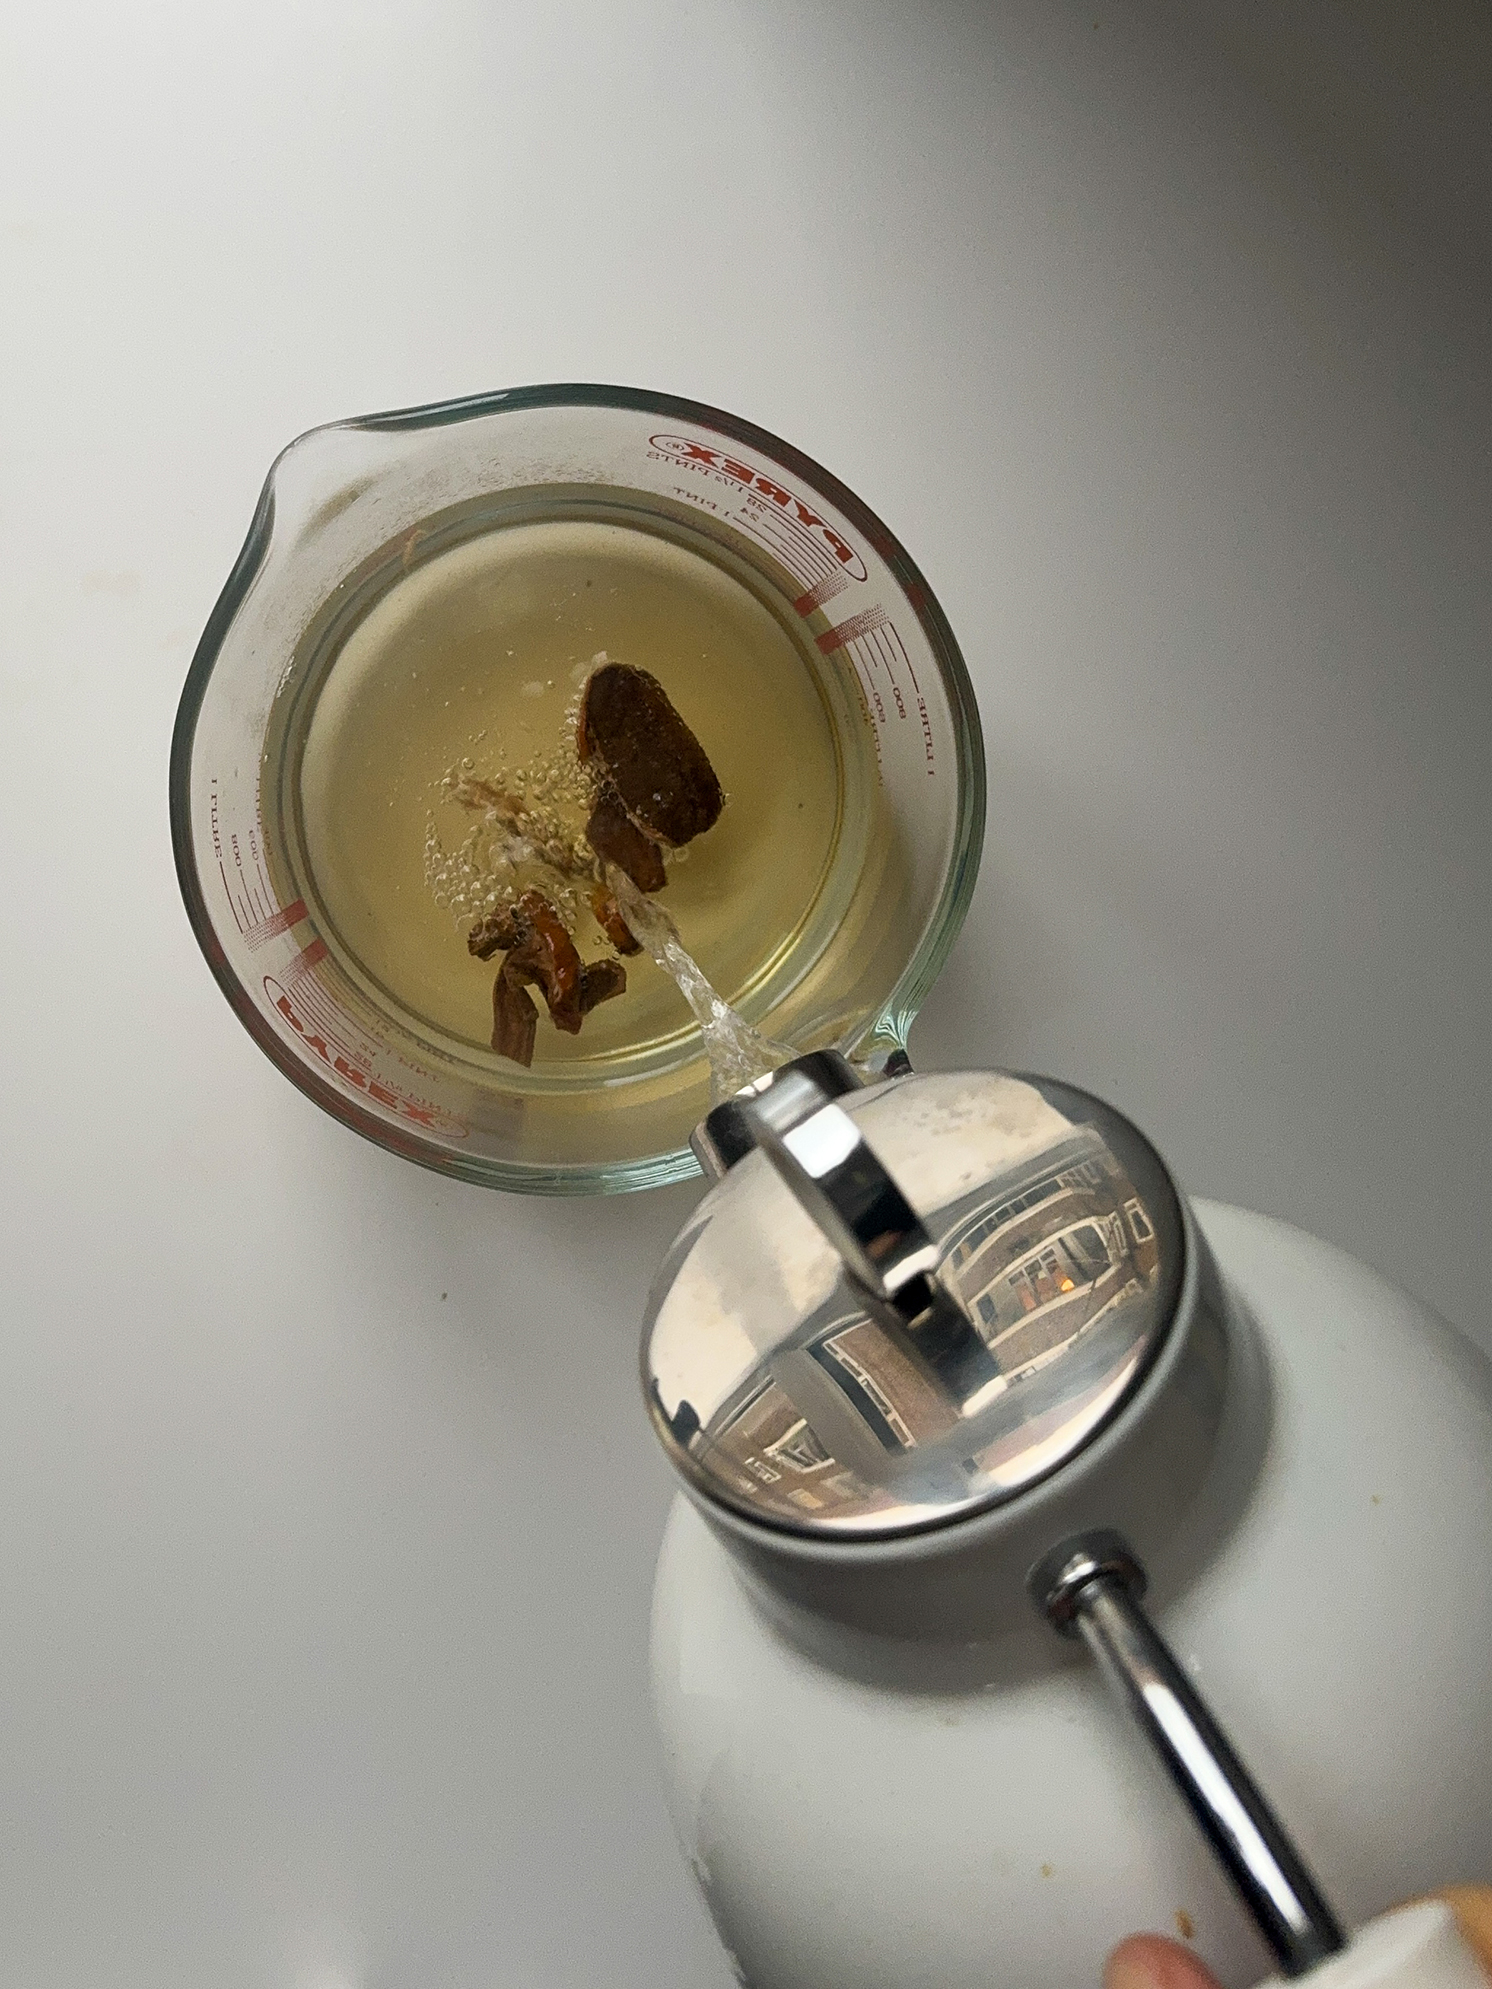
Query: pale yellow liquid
{"points": [[470, 665]]}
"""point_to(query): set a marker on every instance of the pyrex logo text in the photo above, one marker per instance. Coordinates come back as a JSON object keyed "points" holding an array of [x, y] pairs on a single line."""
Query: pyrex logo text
{"points": [[413, 1109], [685, 451]]}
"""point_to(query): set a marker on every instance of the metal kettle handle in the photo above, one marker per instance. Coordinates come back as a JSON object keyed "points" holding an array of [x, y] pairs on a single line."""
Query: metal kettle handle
{"points": [[1091, 1587], [840, 1182]]}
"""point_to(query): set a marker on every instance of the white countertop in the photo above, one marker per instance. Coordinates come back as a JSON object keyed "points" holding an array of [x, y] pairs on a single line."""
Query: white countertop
{"points": [[1160, 338]]}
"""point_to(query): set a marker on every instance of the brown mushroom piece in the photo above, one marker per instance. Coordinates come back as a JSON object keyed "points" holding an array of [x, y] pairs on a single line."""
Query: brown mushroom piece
{"points": [[514, 1019], [647, 757], [609, 918], [616, 839], [544, 953], [601, 980], [493, 934], [540, 957]]}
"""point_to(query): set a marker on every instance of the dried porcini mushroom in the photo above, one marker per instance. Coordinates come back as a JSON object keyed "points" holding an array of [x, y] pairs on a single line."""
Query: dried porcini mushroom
{"points": [[493, 934], [652, 787], [544, 953], [609, 917], [601, 980], [514, 1019], [541, 953], [647, 757], [615, 837]]}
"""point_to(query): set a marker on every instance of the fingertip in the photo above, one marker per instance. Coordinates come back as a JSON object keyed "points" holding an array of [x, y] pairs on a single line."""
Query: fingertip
{"points": [[1472, 1906], [1148, 1961]]}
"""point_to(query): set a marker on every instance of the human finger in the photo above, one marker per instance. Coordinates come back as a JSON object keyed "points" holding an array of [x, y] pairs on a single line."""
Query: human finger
{"points": [[1149, 1961], [1472, 1906]]}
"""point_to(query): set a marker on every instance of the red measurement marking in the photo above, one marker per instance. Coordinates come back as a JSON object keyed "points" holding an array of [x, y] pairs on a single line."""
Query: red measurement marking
{"points": [[846, 632], [308, 957], [753, 530], [415, 1110], [315, 1005], [825, 590], [766, 528], [815, 558], [278, 922]]}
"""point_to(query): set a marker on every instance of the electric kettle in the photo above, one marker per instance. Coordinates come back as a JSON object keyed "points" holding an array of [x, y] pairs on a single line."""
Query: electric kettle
{"points": [[945, 1359]]}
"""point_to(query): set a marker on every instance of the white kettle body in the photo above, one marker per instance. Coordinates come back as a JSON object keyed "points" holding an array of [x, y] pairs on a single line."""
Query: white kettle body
{"points": [[885, 1772]]}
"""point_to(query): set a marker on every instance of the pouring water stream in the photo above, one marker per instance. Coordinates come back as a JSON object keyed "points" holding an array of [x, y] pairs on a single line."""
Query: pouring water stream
{"points": [[738, 1053]]}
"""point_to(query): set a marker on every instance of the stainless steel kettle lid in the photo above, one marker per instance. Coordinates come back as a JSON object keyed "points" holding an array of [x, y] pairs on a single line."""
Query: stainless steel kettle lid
{"points": [[903, 1304]]}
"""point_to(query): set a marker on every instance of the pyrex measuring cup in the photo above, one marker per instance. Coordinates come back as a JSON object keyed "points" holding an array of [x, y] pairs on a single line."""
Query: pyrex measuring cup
{"points": [[347, 513]]}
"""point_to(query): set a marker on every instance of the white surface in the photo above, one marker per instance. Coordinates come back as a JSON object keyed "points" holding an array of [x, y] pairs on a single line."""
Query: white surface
{"points": [[1163, 347], [1005, 1833]]}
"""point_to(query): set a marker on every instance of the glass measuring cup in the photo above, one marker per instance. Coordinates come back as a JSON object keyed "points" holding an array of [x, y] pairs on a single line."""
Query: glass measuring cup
{"points": [[352, 511]]}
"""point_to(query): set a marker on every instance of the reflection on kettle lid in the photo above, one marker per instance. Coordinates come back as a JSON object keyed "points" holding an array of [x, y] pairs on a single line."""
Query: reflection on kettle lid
{"points": [[1063, 1258]]}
